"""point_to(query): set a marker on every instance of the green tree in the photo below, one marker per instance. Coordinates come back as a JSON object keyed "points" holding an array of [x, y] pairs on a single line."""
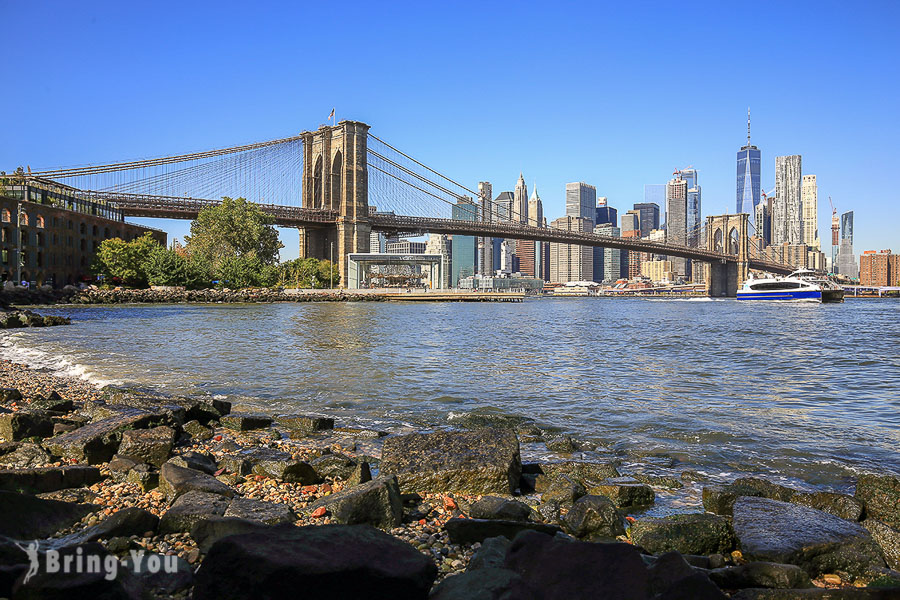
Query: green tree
{"points": [[124, 261], [231, 230], [307, 273]]}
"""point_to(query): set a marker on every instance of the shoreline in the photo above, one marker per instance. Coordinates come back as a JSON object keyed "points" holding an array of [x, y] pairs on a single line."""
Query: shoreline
{"points": [[308, 470]]}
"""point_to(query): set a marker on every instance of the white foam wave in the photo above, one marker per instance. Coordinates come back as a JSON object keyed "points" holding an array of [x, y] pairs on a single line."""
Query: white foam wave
{"points": [[12, 348]]}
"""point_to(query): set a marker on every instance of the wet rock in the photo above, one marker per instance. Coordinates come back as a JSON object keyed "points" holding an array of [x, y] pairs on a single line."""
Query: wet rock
{"points": [[245, 422], [562, 444], [484, 461], [659, 481], [484, 584], [27, 517], [53, 403], [25, 456], [48, 479], [491, 554], [151, 446], [23, 425], [720, 499], [98, 441], [197, 431], [191, 508], [120, 467], [492, 507], [585, 473], [339, 466], [144, 477], [564, 570], [562, 490], [699, 533], [594, 518], [818, 542], [375, 503], [173, 576], [263, 512], [625, 492], [887, 538], [209, 531], [195, 460], [839, 505], [881, 495], [8, 395], [355, 432], [761, 575], [280, 465], [305, 424], [333, 561], [175, 481], [469, 531]]}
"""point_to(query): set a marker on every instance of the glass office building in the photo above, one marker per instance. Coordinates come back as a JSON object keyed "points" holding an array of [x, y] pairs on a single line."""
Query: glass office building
{"points": [[464, 253], [649, 212], [748, 187]]}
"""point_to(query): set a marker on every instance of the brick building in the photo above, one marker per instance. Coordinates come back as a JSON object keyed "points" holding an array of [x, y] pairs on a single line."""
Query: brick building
{"points": [[879, 268], [55, 232]]}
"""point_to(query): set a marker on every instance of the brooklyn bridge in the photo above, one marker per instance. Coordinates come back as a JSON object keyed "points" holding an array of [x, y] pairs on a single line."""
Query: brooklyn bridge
{"points": [[339, 183]]}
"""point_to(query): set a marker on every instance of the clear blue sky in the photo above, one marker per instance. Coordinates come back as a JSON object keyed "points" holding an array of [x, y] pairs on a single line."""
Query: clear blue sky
{"points": [[611, 95]]}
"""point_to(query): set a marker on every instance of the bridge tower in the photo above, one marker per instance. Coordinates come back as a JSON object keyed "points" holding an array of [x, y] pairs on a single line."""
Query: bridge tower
{"points": [[727, 234], [336, 177]]}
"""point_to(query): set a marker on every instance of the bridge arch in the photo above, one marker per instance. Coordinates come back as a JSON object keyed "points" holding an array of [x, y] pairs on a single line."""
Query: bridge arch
{"points": [[734, 242], [317, 184], [337, 165], [718, 241]]}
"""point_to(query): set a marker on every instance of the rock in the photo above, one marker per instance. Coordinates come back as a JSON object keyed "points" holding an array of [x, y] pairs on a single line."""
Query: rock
{"points": [[27, 517], [659, 481], [698, 533], [48, 479], [375, 503], [585, 473], [175, 481], [124, 523], [173, 576], [694, 587], [761, 575], [484, 584], [562, 444], [887, 538], [209, 531], [333, 561], [98, 441], [25, 456], [53, 403], [594, 518], [565, 570], [151, 446], [263, 512], [338, 466], [720, 499], [818, 542], [469, 531], [483, 461], [355, 432], [491, 554], [22, 425], [8, 395], [305, 424], [245, 422], [120, 467], [280, 465], [492, 507], [104, 583], [667, 571], [881, 495], [839, 505], [191, 508], [142, 476], [195, 460], [816, 594], [197, 431], [562, 490], [625, 492]]}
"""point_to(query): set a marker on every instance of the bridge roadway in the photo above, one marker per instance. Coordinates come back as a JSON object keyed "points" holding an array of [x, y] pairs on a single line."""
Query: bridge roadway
{"points": [[169, 207]]}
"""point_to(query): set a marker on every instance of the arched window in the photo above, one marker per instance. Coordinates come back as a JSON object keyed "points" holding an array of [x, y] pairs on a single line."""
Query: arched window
{"points": [[336, 178], [719, 242], [317, 184], [23, 219], [7, 217], [733, 241], [40, 221]]}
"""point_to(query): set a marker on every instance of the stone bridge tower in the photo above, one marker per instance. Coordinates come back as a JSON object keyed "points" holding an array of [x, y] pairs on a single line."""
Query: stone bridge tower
{"points": [[336, 177], [728, 234]]}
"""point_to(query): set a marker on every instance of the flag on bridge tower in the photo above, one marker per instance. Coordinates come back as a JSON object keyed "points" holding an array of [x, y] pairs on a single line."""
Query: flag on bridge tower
{"points": [[331, 116]]}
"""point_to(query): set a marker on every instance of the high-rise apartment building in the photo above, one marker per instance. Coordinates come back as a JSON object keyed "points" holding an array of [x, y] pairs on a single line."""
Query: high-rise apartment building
{"points": [[764, 221], [485, 244], [464, 248], [846, 260], [809, 202], [649, 212], [748, 178], [611, 266], [520, 214], [581, 200], [875, 268], [787, 217], [571, 262], [676, 219]]}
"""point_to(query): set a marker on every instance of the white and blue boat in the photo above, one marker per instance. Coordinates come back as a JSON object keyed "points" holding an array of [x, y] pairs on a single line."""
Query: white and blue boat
{"points": [[799, 285]]}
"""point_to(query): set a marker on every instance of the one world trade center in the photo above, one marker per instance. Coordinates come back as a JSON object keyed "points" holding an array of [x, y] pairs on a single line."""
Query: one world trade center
{"points": [[748, 189]]}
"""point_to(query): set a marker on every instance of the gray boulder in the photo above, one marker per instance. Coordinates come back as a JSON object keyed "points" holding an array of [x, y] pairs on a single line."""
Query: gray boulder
{"points": [[887, 538], [195, 460], [720, 499], [594, 518], [482, 461], [761, 575], [491, 554], [16, 426], [561, 489], [625, 492], [881, 495], [174, 481], [699, 533], [839, 505], [375, 503], [781, 532], [280, 465], [339, 466], [585, 473], [492, 507], [27, 517], [245, 422], [485, 584], [191, 508], [268, 513], [470, 531], [305, 424], [209, 531], [98, 441], [48, 479], [25, 456], [328, 561], [151, 446]]}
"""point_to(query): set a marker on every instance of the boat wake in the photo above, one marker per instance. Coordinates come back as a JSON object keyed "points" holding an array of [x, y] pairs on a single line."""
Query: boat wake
{"points": [[13, 349]]}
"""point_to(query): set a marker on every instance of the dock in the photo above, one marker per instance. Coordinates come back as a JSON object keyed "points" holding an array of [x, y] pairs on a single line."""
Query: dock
{"points": [[454, 296]]}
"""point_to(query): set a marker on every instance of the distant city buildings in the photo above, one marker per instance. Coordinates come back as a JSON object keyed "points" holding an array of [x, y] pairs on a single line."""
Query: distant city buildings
{"points": [[530, 252], [581, 201], [809, 201], [880, 268], [485, 244], [787, 217], [611, 257], [748, 176], [571, 262], [464, 258], [520, 204], [846, 261], [658, 271], [439, 243], [649, 216], [605, 214], [676, 219], [404, 246]]}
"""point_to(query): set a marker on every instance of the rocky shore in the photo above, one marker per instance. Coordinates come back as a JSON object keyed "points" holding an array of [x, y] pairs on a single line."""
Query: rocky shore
{"points": [[247, 505]]}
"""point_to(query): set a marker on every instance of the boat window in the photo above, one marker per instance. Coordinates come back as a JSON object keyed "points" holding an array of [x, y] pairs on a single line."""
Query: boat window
{"points": [[775, 285]]}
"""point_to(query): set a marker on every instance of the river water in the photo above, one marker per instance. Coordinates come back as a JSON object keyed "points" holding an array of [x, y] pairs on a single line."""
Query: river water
{"points": [[804, 393]]}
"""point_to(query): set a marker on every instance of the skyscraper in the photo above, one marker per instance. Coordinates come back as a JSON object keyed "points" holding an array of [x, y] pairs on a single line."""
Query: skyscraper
{"points": [[693, 207], [649, 212], [604, 213], [464, 248], [764, 221], [809, 200], [581, 200], [611, 256], [439, 243], [520, 206], [531, 260], [504, 207], [846, 260], [571, 262], [485, 244], [676, 219], [787, 218], [748, 165]]}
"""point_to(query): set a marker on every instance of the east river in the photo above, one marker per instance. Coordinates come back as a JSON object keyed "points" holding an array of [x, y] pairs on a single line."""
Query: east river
{"points": [[803, 393]]}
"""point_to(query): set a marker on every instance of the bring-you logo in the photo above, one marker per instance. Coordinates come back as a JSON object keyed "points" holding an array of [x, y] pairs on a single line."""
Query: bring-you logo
{"points": [[79, 560]]}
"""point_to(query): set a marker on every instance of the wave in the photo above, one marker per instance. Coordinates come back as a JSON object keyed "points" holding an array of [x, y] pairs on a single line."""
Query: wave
{"points": [[13, 349]]}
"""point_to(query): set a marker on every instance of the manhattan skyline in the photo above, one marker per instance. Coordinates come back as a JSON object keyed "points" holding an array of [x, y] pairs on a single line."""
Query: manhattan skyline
{"points": [[209, 79]]}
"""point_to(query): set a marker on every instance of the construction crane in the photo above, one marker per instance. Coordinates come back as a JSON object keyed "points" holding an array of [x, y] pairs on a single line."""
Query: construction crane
{"points": [[835, 229]]}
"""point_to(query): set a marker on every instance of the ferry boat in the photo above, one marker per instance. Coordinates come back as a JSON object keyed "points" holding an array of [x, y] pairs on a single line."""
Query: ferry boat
{"points": [[802, 284]]}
